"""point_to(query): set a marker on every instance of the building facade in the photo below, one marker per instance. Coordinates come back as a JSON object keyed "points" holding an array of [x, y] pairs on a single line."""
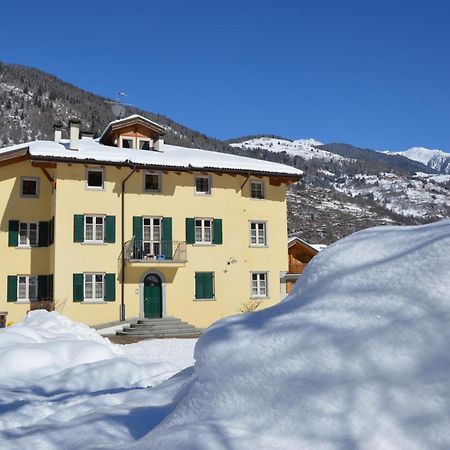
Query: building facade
{"points": [[128, 226]]}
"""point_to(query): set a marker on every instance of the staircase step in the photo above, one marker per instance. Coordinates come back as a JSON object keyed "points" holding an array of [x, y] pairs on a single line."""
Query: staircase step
{"points": [[164, 327]]}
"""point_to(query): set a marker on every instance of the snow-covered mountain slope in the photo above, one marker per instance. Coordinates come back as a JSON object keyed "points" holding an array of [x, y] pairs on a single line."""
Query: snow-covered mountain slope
{"points": [[306, 148], [422, 196], [436, 159]]}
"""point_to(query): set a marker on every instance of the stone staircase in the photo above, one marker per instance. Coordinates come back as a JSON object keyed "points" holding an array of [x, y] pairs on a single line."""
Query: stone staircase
{"points": [[165, 327]]}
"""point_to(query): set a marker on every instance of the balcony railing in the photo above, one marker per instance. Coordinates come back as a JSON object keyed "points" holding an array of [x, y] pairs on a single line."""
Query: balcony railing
{"points": [[155, 251]]}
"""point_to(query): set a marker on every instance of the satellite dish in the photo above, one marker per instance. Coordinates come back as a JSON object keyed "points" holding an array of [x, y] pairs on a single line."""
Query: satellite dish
{"points": [[118, 107], [118, 110]]}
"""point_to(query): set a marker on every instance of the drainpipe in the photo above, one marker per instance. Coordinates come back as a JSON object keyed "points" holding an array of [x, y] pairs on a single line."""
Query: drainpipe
{"points": [[122, 280]]}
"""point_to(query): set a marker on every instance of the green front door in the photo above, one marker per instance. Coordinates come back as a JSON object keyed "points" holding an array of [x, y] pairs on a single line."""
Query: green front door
{"points": [[152, 296]]}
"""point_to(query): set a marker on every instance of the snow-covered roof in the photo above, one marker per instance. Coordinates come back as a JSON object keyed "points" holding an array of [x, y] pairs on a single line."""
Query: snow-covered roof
{"points": [[316, 247], [131, 119], [172, 157]]}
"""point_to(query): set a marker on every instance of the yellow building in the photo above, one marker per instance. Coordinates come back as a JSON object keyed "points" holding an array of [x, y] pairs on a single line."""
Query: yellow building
{"points": [[128, 226]]}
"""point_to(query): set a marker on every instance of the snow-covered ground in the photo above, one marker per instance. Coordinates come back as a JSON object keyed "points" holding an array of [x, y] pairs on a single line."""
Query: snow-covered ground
{"points": [[355, 358], [62, 385]]}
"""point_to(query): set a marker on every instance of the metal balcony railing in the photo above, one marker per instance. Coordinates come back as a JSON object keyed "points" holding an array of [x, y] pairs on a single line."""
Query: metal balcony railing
{"points": [[155, 251]]}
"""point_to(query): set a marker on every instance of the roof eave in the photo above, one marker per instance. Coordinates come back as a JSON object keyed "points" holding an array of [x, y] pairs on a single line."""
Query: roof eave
{"points": [[245, 172]]}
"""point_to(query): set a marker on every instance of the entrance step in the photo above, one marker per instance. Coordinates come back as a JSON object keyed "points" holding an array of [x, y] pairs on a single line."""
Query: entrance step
{"points": [[164, 327]]}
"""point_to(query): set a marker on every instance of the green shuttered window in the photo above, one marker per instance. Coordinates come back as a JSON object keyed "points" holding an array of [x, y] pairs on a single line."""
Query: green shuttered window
{"points": [[204, 285], [44, 287], [217, 234], [137, 228], [96, 286], [167, 237]]}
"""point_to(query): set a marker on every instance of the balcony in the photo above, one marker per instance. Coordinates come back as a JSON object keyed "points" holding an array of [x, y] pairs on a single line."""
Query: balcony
{"points": [[155, 252]]}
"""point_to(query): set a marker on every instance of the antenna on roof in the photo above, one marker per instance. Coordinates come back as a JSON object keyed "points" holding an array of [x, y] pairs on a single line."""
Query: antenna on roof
{"points": [[118, 107]]}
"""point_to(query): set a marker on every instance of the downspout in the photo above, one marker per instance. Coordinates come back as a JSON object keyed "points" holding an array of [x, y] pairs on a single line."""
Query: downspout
{"points": [[122, 278]]}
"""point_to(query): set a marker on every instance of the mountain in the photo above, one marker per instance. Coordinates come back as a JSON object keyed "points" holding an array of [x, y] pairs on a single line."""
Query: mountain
{"points": [[344, 188], [435, 159]]}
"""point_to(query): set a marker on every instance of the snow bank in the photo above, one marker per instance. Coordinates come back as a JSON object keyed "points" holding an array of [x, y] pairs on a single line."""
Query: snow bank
{"points": [[357, 357], [55, 354]]}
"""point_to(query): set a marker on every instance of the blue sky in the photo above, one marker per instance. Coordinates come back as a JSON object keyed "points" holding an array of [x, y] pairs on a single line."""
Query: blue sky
{"points": [[371, 73]]}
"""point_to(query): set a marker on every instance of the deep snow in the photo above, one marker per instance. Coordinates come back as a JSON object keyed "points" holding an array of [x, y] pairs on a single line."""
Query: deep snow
{"points": [[356, 358]]}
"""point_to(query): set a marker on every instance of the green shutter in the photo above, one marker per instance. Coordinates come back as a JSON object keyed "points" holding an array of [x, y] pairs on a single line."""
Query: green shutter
{"points": [[78, 288], [110, 287], [190, 231], [43, 285], [50, 287], [204, 285], [167, 237], [217, 231], [52, 231], [199, 285], [12, 288], [78, 228], [110, 229], [13, 235], [137, 228], [44, 230]]}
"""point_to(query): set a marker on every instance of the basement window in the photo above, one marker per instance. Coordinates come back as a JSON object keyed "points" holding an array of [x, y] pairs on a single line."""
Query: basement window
{"points": [[94, 179]]}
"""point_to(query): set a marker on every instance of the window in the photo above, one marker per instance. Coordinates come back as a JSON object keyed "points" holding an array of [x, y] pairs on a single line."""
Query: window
{"points": [[29, 187], [151, 236], [28, 234], [204, 285], [258, 234], [26, 288], [257, 189], [95, 179], [94, 287], [202, 185], [203, 231], [152, 182], [127, 142], [259, 284], [143, 144], [94, 228]]}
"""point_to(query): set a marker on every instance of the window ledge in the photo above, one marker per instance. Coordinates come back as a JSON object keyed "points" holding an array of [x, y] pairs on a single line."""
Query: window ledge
{"points": [[22, 302], [258, 246], [205, 299], [256, 297], [93, 243], [26, 247], [146, 191], [204, 244], [91, 302]]}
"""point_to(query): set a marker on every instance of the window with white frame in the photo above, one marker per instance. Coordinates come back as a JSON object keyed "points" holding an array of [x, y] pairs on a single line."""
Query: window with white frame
{"points": [[258, 233], [127, 142], [28, 234], [257, 189], [94, 287], [29, 187], [27, 288], [152, 182], [94, 179], [203, 184], [259, 284], [143, 144], [203, 231], [94, 228]]}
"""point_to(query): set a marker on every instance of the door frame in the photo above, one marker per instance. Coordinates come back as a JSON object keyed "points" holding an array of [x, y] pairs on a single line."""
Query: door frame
{"points": [[141, 292]]}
